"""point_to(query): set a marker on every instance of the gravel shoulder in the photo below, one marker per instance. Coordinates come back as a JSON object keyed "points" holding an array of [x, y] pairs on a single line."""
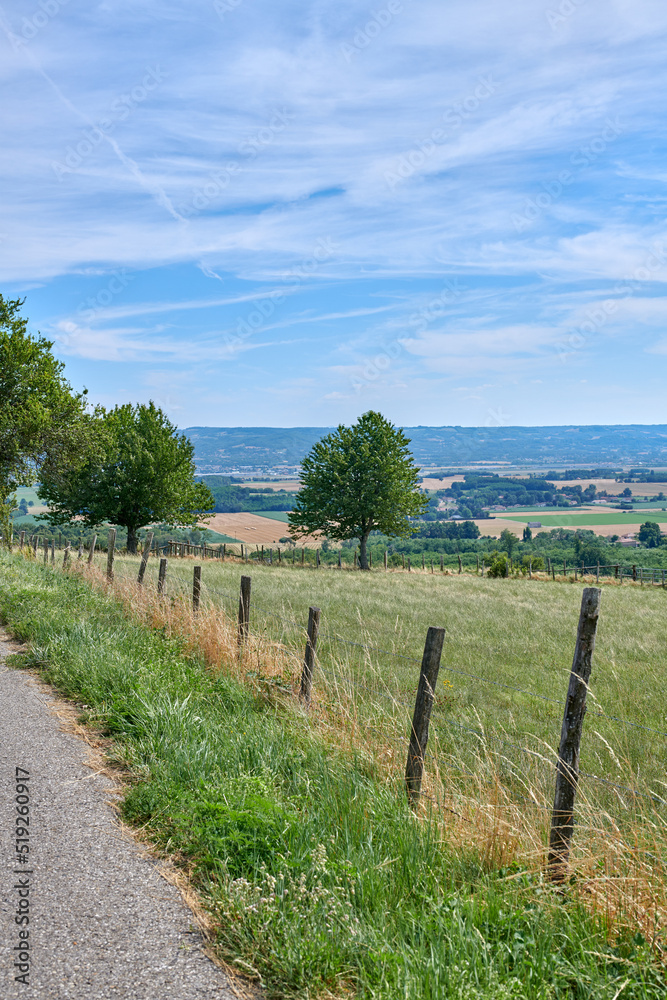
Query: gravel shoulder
{"points": [[103, 921]]}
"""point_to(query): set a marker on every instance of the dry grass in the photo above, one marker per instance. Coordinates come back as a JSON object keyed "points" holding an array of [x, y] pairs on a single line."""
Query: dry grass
{"points": [[488, 804]]}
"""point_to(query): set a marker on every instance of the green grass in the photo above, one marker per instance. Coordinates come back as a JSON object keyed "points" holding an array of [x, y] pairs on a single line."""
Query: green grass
{"points": [[501, 635], [274, 515], [315, 872]]}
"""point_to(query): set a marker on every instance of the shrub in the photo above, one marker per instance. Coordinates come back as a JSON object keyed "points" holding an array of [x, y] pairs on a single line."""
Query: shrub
{"points": [[499, 564]]}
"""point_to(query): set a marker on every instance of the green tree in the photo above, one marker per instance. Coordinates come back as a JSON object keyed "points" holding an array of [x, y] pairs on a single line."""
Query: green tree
{"points": [[527, 534], [142, 473], [357, 480], [41, 417], [650, 535], [508, 541]]}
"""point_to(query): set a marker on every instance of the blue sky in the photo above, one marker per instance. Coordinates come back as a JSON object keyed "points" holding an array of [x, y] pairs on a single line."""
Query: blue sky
{"points": [[288, 213]]}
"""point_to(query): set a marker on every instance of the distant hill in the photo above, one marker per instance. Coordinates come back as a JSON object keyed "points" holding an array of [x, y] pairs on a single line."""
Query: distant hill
{"points": [[251, 449]]}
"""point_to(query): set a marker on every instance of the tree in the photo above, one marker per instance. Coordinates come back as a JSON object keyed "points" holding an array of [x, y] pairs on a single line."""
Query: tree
{"points": [[650, 534], [41, 417], [141, 473], [508, 540], [357, 480], [527, 534]]}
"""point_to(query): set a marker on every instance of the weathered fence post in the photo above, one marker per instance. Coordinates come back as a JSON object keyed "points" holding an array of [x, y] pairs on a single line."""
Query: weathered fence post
{"points": [[564, 567], [162, 576], [34, 546], [244, 610], [567, 769], [196, 588], [46, 551], [553, 571], [460, 565], [111, 546], [144, 557], [91, 554], [597, 575], [385, 560], [409, 565], [21, 539], [428, 679], [442, 565], [530, 569], [317, 558], [403, 554], [53, 551], [66, 557], [340, 559], [309, 656], [423, 561], [60, 540]]}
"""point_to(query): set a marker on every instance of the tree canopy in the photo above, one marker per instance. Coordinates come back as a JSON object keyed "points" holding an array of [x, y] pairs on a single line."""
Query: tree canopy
{"points": [[142, 472], [650, 534], [356, 480], [42, 420]]}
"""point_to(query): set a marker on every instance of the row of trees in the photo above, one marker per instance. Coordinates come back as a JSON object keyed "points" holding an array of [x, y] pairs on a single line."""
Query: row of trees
{"points": [[129, 466]]}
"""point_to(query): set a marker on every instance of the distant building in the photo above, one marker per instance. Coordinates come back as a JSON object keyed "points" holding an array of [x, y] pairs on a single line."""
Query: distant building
{"points": [[534, 524]]}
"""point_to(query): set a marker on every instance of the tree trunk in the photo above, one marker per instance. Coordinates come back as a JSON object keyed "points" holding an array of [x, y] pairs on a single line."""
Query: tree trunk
{"points": [[132, 541], [363, 555]]}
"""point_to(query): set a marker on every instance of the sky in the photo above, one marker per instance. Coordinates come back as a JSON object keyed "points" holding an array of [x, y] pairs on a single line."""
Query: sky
{"points": [[285, 214]]}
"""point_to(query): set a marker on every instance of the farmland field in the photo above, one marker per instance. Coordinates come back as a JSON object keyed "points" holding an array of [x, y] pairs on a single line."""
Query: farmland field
{"points": [[591, 519], [502, 635], [253, 529]]}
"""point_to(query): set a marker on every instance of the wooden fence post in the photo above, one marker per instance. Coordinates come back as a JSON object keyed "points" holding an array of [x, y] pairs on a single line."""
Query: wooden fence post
{"points": [[409, 565], [303, 556], [34, 546], [60, 540], [428, 679], [403, 555], [340, 559], [162, 576], [53, 551], [442, 564], [567, 769], [111, 547], [385, 560], [460, 565], [66, 557], [317, 558], [21, 539], [244, 610], [91, 554], [196, 589], [423, 561], [46, 551], [144, 557], [309, 656]]}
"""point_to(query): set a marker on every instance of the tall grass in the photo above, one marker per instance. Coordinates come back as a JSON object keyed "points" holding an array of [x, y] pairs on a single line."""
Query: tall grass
{"points": [[295, 829]]}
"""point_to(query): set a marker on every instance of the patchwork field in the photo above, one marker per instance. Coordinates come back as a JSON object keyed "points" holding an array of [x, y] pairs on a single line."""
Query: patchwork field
{"points": [[253, 528]]}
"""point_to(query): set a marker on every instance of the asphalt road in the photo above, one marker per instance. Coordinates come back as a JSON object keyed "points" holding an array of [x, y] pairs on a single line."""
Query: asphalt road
{"points": [[103, 923]]}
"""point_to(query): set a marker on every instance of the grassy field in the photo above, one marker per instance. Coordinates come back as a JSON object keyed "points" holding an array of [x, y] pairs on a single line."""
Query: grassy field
{"points": [[501, 635], [630, 517], [317, 878]]}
